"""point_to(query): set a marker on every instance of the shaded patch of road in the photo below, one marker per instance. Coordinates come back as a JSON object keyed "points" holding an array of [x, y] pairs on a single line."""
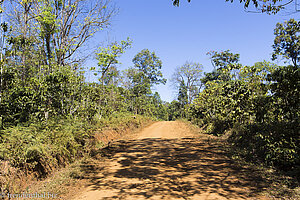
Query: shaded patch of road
{"points": [[183, 168]]}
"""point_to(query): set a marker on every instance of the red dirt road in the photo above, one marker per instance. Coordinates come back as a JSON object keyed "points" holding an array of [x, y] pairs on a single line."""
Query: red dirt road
{"points": [[167, 161]]}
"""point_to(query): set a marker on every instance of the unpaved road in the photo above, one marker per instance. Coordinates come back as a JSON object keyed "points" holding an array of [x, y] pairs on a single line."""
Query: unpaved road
{"points": [[167, 161]]}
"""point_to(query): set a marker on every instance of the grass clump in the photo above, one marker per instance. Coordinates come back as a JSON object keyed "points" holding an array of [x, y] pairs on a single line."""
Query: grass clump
{"points": [[40, 148]]}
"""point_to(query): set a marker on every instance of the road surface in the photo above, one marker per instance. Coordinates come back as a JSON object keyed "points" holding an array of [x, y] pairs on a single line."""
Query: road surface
{"points": [[168, 161]]}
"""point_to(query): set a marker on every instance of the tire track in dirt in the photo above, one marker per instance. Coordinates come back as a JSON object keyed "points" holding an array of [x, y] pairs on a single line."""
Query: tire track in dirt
{"points": [[167, 161]]}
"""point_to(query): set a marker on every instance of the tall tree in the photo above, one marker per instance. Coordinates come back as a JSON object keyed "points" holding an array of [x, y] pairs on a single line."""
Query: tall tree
{"points": [[78, 21], [223, 59], [148, 63], [139, 86], [182, 98], [287, 41], [224, 62], [139, 79], [23, 38], [190, 75], [286, 80], [108, 58], [63, 26], [183, 94]]}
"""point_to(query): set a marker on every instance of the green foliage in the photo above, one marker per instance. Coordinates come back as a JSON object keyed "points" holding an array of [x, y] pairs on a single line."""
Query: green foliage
{"points": [[287, 41], [138, 81], [183, 94], [49, 115], [40, 97], [260, 104], [213, 76], [224, 63], [232, 101], [265, 6], [175, 111], [274, 143], [108, 58], [43, 146], [223, 59], [40, 146], [285, 88], [150, 65]]}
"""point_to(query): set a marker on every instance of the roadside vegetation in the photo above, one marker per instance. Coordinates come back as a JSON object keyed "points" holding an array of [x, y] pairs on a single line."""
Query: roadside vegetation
{"points": [[256, 107], [51, 116], [259, 104]]}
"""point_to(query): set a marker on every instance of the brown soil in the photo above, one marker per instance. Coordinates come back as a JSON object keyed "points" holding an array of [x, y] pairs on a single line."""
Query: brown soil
{"points": [[168, 161]]}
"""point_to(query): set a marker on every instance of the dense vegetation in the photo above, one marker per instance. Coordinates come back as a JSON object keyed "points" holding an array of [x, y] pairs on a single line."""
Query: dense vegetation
{"points": [[49, 113], [259, 104]]}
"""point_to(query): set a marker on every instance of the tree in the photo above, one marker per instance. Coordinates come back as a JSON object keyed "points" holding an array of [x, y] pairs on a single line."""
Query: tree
{"points": [[140, 78], [190, 75], [224, 62], [23, 40], [107, 68], [287, 41], [79, 20], [265, 6], [223, 59], [182, 94], [139, 86], [62, 26], [149, 64], [157, 107], [285, 88], [174, 110], [285, 80], [182, 98], [42, 50], [108, 58], [225, 102]]}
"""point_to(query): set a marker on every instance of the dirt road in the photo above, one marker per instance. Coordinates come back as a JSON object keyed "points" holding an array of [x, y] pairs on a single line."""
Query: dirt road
{"points": [[167, 161]]}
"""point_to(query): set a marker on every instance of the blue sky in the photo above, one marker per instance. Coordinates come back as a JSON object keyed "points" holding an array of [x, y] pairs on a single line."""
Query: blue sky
{"points": [[188, 32]]}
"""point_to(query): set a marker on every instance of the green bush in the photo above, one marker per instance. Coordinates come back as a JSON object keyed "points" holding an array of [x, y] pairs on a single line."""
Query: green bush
{"points": [[275, 144], [43, 146]]}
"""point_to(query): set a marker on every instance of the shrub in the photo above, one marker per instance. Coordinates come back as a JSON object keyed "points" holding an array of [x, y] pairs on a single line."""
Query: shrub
{"points": [[275, 144]]}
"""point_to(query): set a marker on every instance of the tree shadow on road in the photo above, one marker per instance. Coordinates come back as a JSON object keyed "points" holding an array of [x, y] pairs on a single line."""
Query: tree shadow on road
{"points": [[186, 168]]}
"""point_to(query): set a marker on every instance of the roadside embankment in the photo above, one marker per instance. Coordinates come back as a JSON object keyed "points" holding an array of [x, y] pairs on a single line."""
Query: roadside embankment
{"points": [[36, 152]]}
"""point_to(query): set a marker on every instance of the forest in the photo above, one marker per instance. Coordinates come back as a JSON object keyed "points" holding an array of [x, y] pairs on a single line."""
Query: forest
{"points": [[49, 112]]}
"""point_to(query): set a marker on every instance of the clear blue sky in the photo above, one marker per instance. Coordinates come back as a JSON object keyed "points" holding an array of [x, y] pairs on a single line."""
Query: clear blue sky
{"points": [[188, 32]]}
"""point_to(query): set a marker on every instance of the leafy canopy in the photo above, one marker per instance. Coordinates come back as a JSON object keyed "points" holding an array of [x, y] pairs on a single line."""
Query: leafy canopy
{"points": [[264, 6], [287, 41], [148, 63]]}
